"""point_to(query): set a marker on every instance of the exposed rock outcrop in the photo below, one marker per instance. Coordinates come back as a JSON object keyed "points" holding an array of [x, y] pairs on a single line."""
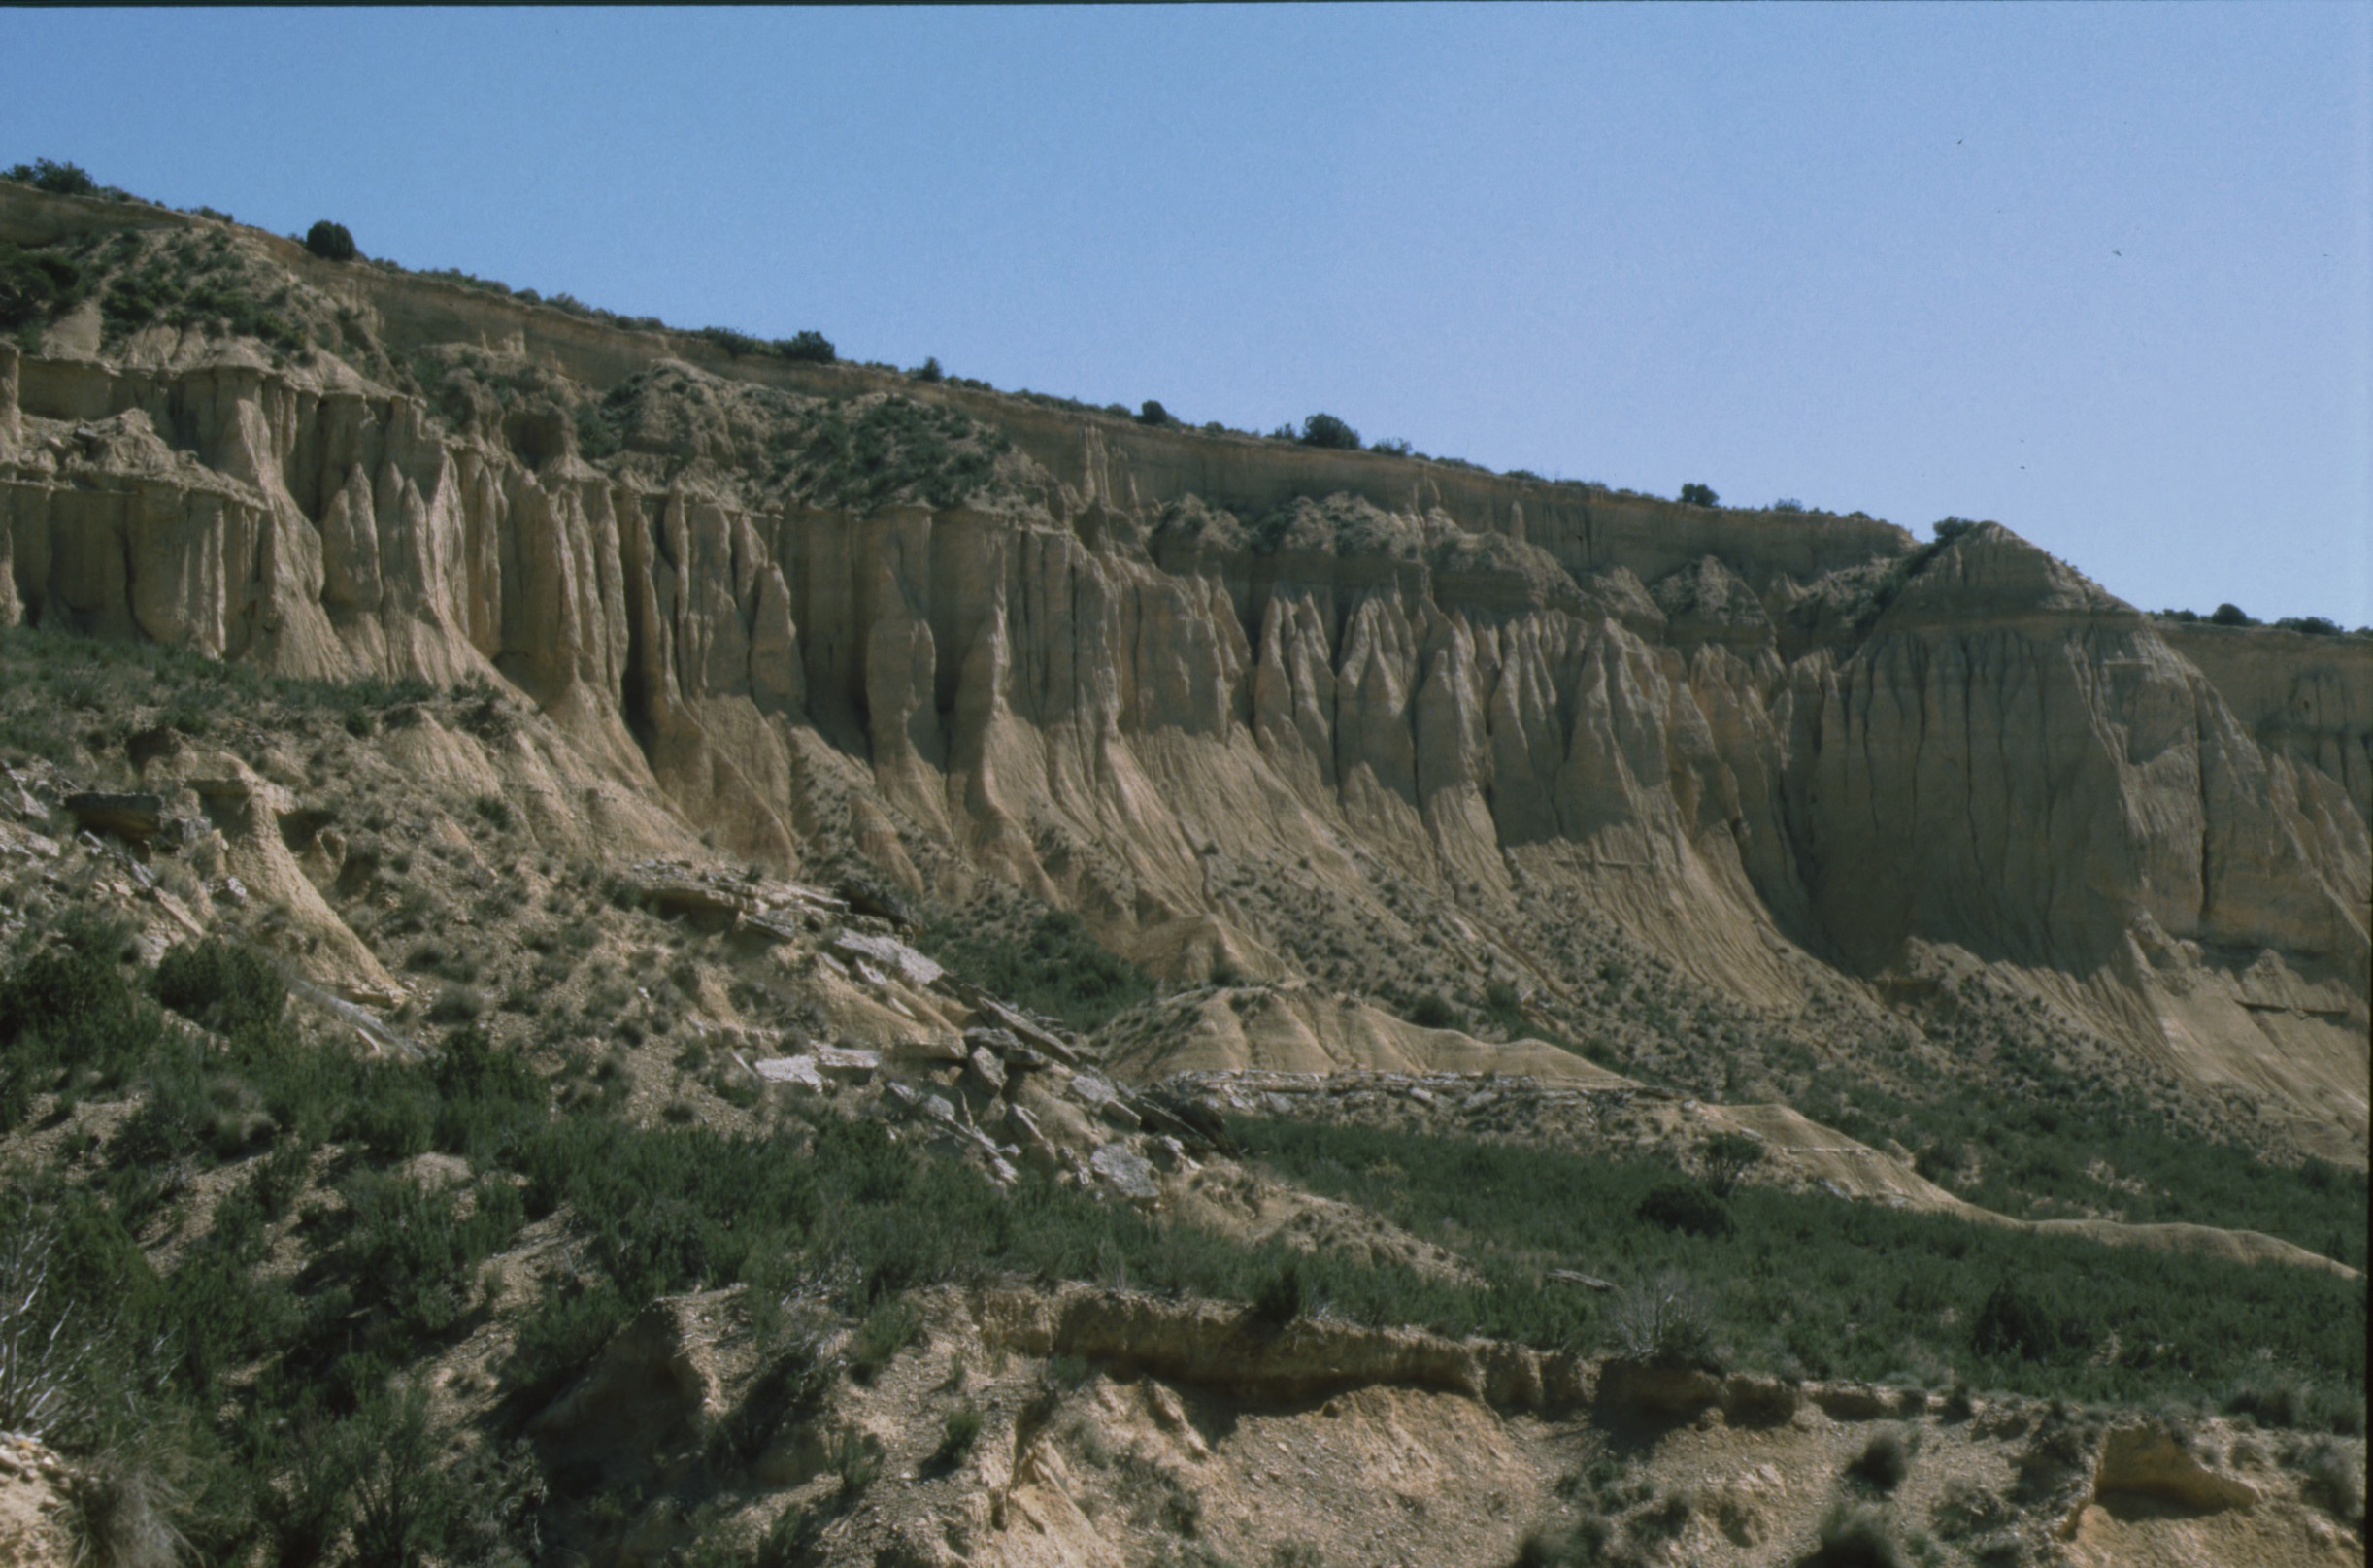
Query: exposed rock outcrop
{"points": [[1126, 663]]}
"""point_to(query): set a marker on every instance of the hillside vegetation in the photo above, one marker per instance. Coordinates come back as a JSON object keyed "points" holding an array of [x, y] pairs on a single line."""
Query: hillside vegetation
{"points": [[628, 947]]}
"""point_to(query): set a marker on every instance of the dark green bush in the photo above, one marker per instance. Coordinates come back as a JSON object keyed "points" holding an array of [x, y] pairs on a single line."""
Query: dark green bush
{"points": [[807, 348], [1854, 1535], [1728, 1157], [2012, 1322], [1580, 1545], [1153, 413], [221, 985], [1283, 1298], [894, 1324], [961, 1430], [57, 178], [1886, 1459], [1698, 495], [927, 371], [38, 286], [1041, 959], [565, 1329], [1431, 1012], [331, 242], [1685, 1206], [1325, 430], [2230, 615]]}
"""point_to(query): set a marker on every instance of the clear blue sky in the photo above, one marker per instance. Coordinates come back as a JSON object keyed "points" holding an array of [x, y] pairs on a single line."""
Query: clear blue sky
{"points": [[2101, 273]]}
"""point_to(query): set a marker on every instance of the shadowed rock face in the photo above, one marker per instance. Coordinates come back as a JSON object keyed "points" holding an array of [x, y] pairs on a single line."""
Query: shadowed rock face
{"points": [[1137, 655]]}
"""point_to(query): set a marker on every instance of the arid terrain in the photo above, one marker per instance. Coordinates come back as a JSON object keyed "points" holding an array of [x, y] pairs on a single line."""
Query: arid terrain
{"points": [[626, 946]]}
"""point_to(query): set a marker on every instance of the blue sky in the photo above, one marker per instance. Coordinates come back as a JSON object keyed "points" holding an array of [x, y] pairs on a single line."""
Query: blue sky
{"points": [[2100, 273]]}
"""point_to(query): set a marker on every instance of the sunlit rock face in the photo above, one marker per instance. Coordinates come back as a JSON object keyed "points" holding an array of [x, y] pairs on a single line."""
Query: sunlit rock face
{"points": [[1145, 672]]}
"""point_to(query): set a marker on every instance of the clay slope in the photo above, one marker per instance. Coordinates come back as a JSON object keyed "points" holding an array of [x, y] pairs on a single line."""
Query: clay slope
{"points": [[1395, 725]]}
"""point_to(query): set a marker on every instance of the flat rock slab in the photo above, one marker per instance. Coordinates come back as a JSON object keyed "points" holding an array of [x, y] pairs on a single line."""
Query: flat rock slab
{"points": [[800, 1072], [1126, 1171], [889, 955], [848, 1062]]}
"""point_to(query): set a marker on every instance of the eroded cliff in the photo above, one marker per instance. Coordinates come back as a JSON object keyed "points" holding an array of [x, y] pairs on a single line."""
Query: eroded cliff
{"points": [[1398, 724]]}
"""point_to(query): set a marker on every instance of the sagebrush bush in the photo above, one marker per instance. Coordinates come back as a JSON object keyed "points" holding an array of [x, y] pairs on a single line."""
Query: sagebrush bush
{"points": [[1665, 1322], [1852, 1535], [123, 1507], [1886, 1459], [957, 1434], [893, 1325]]}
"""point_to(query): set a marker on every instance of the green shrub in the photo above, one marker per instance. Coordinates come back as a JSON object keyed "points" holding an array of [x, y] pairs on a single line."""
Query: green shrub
{"points": [[1886, 1459], [1327, 431], [1685, 1206], [69, 1020], [961, 1430], [2014, 1323], [927, 371], [1042, 960], [1282, 1297], [2336, 1479], [858, 1464], [37, 287], [123, 1505], [221, 985], [57, 178], [1853, 1535], [1728, 1157], [1431, 1012], [2230, 615], [808, 348], [894, 1324], [565, 1329], [1698, 495], [1665, 1322], [1153, 413], [331, 242], [1580, 1545]]}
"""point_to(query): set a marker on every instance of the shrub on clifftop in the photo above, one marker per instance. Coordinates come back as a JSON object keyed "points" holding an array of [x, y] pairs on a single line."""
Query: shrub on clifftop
{"points": [[57, 178], [1325, 430], [329, 240]]}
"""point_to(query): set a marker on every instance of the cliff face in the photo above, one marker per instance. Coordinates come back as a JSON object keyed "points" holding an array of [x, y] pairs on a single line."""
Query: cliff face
{"points": [[1237, 701]]}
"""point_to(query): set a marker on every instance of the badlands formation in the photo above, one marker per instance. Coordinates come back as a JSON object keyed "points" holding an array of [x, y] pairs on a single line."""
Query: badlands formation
{"points": [[1246, 707], [1429, 799]]}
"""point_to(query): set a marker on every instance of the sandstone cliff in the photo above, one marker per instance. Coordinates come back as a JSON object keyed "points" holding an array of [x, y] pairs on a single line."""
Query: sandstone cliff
{"points": [[1243, 705]]}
